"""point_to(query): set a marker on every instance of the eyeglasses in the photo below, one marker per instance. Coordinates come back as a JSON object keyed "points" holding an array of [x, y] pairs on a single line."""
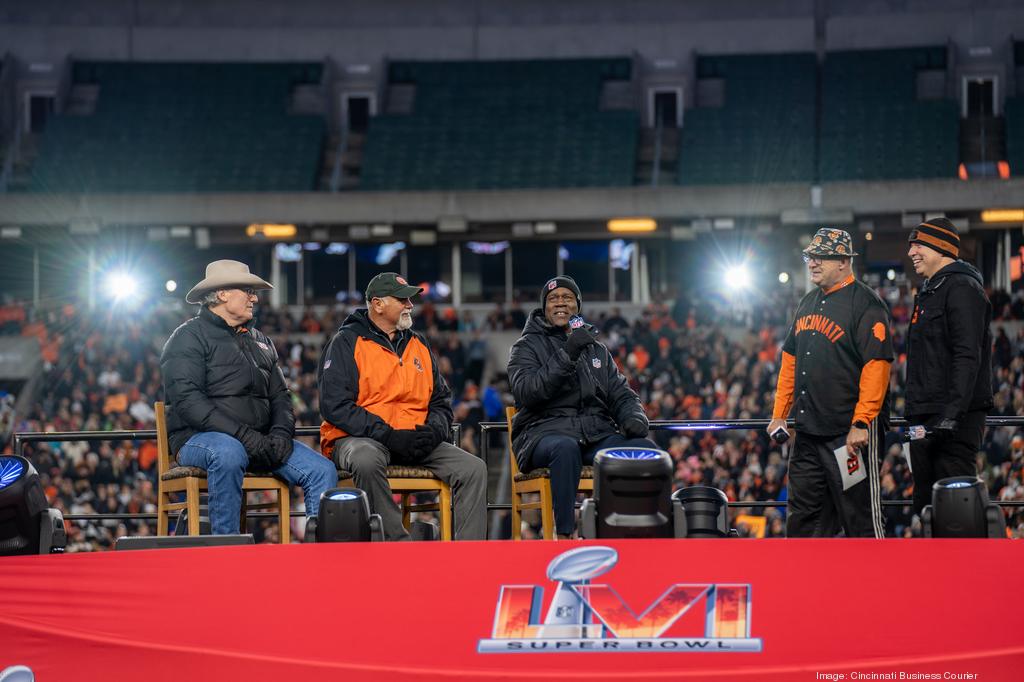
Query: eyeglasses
{"points": [[248, 291], [562, 298]]}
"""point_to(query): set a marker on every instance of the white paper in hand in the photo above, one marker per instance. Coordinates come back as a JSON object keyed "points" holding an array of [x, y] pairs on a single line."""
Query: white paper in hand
{"points": [[851, 467]]}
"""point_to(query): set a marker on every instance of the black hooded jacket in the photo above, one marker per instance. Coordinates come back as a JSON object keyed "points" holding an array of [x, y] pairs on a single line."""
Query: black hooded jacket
{"points": [[217, 378], [554, 396], [949, 346]]}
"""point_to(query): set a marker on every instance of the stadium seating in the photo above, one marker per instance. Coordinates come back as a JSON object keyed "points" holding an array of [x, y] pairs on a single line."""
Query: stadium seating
{"points": [[873, 125], [184, 128], [763, 132], [501, 125]]}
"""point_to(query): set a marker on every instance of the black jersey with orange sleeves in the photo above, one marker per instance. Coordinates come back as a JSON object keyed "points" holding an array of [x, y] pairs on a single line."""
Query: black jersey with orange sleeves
{"points": [[835, 334]]}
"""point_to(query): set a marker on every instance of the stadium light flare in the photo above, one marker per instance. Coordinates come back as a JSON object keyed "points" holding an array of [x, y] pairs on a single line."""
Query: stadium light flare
{"points": [[737, 277], [783, 278], [171, 286], [121, 284], [890, 274]]}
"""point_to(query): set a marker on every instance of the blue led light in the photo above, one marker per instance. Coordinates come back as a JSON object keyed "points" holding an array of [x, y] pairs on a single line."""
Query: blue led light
{"points": [[11, 469], [633, 453], [343, 496], [708, 426], [959, 484]]}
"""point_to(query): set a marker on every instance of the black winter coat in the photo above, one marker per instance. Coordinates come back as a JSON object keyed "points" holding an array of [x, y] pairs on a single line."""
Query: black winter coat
{"points": [[949, 349], [217, 378], [585, 400]]}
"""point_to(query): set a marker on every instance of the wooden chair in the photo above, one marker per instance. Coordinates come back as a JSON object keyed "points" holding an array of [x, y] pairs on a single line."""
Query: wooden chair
{"points": [[537, 482], [192, 482], [408, 481]]}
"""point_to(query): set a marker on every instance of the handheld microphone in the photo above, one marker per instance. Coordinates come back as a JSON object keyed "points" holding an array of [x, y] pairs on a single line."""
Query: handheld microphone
{"points": [[915, 433], [780, 435]]}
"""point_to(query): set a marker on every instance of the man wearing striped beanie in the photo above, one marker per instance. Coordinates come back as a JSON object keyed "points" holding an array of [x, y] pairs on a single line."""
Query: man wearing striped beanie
{"points": [[949, 359]]}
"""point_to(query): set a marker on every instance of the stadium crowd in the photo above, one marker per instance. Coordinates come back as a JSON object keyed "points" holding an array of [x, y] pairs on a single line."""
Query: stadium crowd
{"points": [[697, 361]]}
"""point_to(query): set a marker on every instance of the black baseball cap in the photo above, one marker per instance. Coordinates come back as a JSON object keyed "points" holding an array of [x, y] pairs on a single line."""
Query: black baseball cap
{"points": [[390, 284]]}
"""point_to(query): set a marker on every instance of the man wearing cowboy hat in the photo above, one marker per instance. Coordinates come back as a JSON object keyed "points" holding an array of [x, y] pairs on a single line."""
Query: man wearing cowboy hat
{"points": [[949, 359], [228, 407], [834, 382]]}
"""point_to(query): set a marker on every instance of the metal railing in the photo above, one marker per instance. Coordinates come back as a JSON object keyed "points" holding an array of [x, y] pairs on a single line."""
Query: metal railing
{"points": [[486, 429]]}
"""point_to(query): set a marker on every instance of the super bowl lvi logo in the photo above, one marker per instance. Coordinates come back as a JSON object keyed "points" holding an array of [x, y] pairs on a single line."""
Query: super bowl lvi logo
{"points": [[584, 616]]}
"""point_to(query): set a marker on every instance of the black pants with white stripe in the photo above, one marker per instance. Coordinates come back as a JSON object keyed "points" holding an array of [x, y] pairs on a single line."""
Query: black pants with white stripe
{"points": [[818, 505]]}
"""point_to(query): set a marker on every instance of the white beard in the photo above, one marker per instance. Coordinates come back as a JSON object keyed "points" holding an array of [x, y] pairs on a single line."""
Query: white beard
{"points": [[404, 322]]}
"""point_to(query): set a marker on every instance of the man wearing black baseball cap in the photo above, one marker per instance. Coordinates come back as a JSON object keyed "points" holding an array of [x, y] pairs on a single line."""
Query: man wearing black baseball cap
{"points": [[384, 402], [949, 359], [572, 400]]}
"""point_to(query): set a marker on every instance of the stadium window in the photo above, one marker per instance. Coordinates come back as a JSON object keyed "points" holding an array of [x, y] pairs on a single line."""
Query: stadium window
{"points": [[373, 259], [329, 274], [431, 268], [587, 263], [534, 263], [483, 273]]}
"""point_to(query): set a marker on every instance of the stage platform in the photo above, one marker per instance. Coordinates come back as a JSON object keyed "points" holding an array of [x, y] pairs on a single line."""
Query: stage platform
{"points": [[766, 610]]}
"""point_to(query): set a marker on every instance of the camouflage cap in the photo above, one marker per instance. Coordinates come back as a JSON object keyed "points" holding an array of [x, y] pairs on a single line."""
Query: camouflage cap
{"points": [[829, 241]]}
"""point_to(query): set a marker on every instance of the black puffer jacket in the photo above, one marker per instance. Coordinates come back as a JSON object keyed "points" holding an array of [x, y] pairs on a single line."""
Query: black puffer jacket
{"points": [[585, 400], [217, 378], [949, 350]]}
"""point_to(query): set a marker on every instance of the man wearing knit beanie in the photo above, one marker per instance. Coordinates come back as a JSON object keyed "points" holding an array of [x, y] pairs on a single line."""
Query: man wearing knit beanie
{"points": [[572, 400], [949, 359]]}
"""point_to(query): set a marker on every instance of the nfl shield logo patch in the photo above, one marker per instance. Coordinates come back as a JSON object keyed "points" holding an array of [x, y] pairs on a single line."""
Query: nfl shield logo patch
{"points": [[596, 362], [327, 365], [262, 345]]}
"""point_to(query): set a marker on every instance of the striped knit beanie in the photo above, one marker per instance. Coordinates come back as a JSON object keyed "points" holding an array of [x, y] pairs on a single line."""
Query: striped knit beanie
{"points": [[939, 234]]}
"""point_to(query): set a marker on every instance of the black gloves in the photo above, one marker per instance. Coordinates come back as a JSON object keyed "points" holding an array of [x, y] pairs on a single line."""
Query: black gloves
{"points": [[427, 441], [280, 448], [401, 442], [411, 445], [634, 427], [580, 338], [257, 446], [945, 429]]}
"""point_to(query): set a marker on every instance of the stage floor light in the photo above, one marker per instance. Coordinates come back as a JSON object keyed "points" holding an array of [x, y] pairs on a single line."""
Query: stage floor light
{"points": [[344, 516], [631, 495], [27, 524], [960, 508]]}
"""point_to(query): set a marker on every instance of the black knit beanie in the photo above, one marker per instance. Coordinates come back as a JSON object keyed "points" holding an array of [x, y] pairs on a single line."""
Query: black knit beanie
{"points": [[561, 281]]}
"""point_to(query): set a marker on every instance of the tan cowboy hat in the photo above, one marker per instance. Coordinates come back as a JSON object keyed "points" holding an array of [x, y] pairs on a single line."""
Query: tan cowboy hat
{"points": [[226, 274]]}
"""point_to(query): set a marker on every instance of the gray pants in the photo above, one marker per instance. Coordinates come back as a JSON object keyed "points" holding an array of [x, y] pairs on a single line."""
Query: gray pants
{"points": [[465, 473]]}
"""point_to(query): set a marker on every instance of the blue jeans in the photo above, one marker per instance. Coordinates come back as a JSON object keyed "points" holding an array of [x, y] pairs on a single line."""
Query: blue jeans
{"points": [[225, 460], [565, 458]]}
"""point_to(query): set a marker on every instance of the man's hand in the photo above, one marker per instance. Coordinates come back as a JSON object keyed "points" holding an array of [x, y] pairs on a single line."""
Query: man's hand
{"points": [[945, 429], [856, 440], [280, 449], [426, 441], [580, 338], [634, 428], [402, 442], [776, 424]]}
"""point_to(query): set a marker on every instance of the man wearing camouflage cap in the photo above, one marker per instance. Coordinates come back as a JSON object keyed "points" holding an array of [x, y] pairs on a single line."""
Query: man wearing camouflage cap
{"points": [[834, 381]]}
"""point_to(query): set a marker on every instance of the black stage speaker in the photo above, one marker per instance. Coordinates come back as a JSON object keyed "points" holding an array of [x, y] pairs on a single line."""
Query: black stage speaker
{"points": [[175, 541]]}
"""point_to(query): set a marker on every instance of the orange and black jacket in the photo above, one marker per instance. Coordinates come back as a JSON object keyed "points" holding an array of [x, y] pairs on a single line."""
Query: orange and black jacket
{"points": [[370, 384]]}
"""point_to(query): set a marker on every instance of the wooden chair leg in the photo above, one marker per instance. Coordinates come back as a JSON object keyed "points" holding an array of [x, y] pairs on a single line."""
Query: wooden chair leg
{"points": [[162, 520], [243, 513], [192, 504], [284, 513], [547, 513], [444, 503], [406, 519], [517, 516]]}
